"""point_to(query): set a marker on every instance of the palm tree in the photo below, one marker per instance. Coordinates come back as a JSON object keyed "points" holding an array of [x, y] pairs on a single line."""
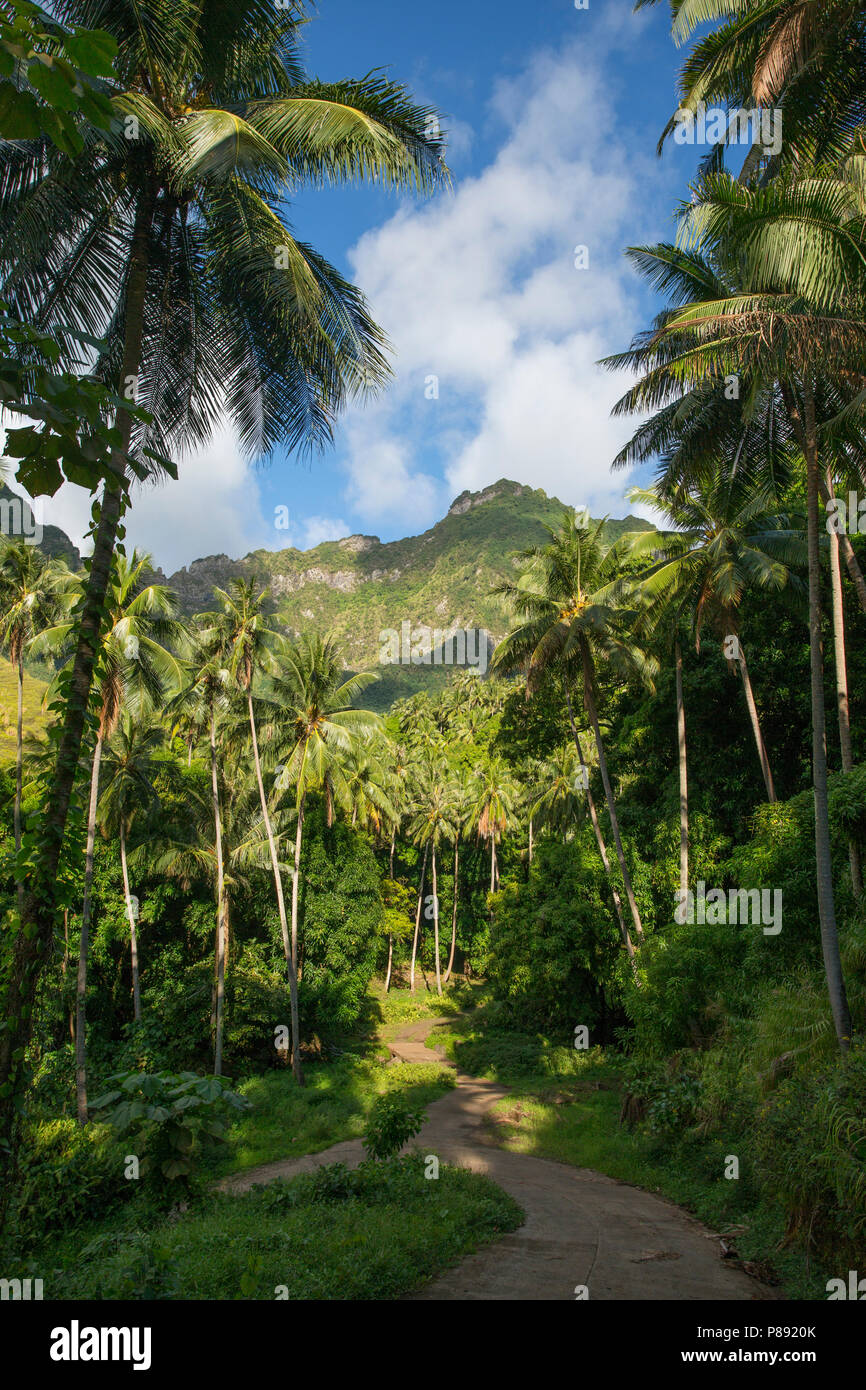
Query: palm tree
{"points": [[215, 842], [369, 784], [128, 790], [417, 931], [31, 596], [557, 802], [583, 759], [166, 241], [493, 796], [572, 601], [313, 710], [431, 824], [795, 320], [683, 769], [397, 777], [245, 643], [841, 663], [700, 425], [805, 59], [203, 704], [459, 808], [136, 669], [726, 537]]}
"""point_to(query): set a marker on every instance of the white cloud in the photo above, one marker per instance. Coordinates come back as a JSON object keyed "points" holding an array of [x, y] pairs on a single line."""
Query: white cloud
{"points": [[215, 505], [460, 138], [322, 528], [382, 484], [479, 289]]}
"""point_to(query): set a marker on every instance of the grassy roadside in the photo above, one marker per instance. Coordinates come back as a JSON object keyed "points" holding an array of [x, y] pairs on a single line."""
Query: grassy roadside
{"points": [[565, 1105], [286, 1122], [379, 1232]]}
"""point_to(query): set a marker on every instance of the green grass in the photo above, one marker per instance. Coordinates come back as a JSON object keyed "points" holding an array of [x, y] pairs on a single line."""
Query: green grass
{"points": [[286, 1122], [399, 1007], [376, 1233], [34, 719], [565, 1105]]}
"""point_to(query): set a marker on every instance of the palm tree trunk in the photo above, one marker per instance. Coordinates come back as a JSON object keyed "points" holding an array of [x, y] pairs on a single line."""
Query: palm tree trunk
{"points": [[219, 982], [81, 982], [530, 840], [63, 969], [296, 878], [390, 961], [684, 783], [823, 856], [842, 537], [854, 569], [133, 934], [34, 943], [19, 778], [436, 925], [390, 934], [418, 921], [842, 693], [289, 947], [454, 912], [589, 701], [599, 839], [222, 935], [492, 861], [755, 720]]}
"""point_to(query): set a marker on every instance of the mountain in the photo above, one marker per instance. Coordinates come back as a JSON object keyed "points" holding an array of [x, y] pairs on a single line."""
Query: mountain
{"points": [[17, 521], [360, 587]]}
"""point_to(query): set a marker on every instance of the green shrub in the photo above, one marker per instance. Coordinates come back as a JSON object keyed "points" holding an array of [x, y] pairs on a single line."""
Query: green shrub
{"points": [[554, 954], [392, 1124], [66, 1174], [175, 1120], [133, 1266], [669, 1093], [811, 1155]]}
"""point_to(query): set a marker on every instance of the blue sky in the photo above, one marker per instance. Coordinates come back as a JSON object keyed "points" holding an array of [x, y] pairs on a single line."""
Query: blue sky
{"points": [[553, 114]]}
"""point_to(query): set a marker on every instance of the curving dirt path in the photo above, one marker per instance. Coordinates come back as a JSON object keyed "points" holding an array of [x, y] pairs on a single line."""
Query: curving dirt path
{"points": [[581, 1228]]}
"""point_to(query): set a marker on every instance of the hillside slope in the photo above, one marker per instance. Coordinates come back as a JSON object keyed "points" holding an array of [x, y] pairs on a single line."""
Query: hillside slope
{"points": [[34, 719], [359, 587]]}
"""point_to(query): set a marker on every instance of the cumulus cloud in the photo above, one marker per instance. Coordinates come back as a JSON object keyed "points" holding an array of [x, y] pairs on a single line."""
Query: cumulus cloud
{"points": [[215, 505], [322, 528], [496, 330]]}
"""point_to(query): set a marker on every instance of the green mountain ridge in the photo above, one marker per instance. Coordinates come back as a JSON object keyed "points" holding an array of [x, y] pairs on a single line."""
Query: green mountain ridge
{"points": [[360, 587]]}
